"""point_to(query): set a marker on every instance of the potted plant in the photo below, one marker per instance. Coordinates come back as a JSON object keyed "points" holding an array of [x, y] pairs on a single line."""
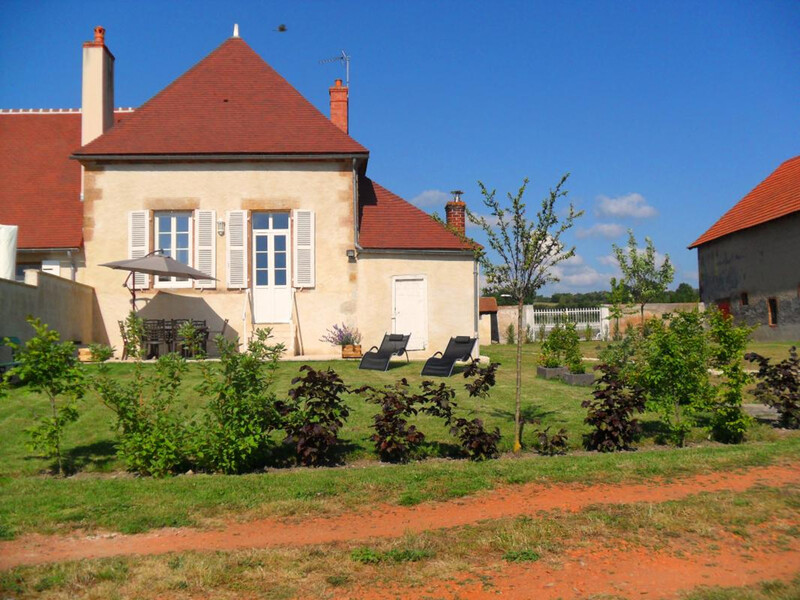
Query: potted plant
{"points": [[575, 374], [551, 365], [345, 336]]}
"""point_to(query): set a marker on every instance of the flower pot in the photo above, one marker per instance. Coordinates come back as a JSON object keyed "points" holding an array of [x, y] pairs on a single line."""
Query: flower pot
{"points": [[84, 355], [551, 372], [351, 351], [584, 379]]}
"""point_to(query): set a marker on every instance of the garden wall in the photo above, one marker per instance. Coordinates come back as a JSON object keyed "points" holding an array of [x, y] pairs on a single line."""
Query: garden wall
{"points": [[66, 306], [508, 314]]}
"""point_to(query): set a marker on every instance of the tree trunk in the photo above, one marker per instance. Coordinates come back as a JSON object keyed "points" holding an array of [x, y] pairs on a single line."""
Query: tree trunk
{"points": [[641, 310], [58, 433], [517, 428]]}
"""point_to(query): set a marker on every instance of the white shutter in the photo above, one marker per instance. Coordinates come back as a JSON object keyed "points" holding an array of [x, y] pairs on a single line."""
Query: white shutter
{"points": [[304, 260], [139, 242], [205, 246], [236, 244]]}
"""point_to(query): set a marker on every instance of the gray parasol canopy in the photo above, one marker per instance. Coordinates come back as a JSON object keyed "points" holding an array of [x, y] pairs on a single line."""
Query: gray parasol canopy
{"points": [[154, 264]]}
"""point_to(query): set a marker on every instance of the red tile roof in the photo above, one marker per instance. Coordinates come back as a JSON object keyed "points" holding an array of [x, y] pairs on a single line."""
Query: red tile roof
{"points": [[41, 186], [231, 102], [777, 196], [487, 304], [386, 221]]}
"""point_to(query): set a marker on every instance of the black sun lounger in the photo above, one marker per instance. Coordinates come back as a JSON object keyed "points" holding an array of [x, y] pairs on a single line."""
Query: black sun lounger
{"points": [[377, 359], [458, 348]]}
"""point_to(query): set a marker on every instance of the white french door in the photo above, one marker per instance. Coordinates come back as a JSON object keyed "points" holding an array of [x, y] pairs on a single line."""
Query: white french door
{"points": [[410, 309], [271, 280]]}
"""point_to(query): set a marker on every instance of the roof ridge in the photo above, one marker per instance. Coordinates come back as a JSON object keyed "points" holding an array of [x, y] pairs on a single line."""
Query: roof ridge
{"points": [[777, 195], [229, 102]]}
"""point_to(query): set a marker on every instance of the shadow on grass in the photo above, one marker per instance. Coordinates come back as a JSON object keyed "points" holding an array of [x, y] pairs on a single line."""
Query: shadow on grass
{"points": [[656, 430], [97, 455]]}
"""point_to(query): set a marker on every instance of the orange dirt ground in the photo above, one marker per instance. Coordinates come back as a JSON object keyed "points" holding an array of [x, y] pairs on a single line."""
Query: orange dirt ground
{"points": [[625, 570]]}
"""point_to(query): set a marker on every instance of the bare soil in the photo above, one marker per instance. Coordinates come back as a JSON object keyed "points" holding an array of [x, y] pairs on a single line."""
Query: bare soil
{"points": [[386, 521], [623, 572]]}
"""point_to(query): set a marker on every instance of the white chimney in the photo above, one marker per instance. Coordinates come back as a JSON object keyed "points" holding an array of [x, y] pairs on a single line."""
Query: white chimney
{"points": [[97, 105]]}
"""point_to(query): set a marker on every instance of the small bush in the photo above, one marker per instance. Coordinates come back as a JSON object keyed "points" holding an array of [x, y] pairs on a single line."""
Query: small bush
{"points": [[342, 335], [314, 414], [48, 366], [511, 334], [547, 444], [154, 433], [484, 378], [729, 422], [611, 412], [571, 347], [529, 337], [478, 443], [394, 438], [779, 386], [241, 413], [542, 332], [588, 333]]}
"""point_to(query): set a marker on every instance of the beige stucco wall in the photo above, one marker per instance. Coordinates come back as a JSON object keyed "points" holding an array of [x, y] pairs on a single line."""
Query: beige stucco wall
{"points": [[358, 293], [450, 296], [485, 329], [112, 191], [66, 306]]}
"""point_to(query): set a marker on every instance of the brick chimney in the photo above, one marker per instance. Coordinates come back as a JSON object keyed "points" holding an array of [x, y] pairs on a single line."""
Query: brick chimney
{"points": [[456, 212], [97, 97], [340, 113]]}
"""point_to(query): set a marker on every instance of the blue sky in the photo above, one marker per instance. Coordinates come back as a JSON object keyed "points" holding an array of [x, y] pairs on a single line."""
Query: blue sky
{"points": [[665, 113]]}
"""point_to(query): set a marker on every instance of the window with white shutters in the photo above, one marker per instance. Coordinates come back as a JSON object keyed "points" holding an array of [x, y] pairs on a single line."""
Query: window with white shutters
{"points": [[236, 249], [205, 246], [139, 242], [304, 260]]}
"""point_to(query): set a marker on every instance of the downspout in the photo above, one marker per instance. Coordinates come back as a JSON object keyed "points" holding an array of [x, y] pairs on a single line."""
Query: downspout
{"points": [[476, 272], [355, 206]]}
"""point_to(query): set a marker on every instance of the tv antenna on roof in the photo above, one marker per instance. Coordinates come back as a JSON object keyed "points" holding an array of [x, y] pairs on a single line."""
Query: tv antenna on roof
{"points": [[343, 58]]}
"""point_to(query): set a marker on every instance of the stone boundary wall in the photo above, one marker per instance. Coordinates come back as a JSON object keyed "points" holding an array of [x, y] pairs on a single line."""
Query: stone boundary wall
{"points": [[66, 306]]}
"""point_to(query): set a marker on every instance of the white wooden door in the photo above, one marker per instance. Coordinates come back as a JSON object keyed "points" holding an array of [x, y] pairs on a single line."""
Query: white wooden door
{"points": [[410, 310], [272, 293]]}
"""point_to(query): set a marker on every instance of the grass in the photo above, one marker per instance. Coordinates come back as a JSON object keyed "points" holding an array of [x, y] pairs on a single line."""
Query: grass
{"points": [[102, 496], [693, 524]]}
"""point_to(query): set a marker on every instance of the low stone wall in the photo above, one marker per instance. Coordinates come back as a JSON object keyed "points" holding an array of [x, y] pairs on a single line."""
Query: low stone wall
{"points": [[66, 306]]}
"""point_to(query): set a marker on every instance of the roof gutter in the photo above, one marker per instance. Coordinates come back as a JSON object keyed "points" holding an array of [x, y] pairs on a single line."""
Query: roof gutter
{"points": [[423, 251], [223, 157], [65, 249]]}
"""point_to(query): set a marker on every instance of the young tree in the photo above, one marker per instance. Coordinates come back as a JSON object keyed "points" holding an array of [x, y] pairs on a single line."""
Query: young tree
{"points": [[640, 275], [49, 366], [528, 250]]}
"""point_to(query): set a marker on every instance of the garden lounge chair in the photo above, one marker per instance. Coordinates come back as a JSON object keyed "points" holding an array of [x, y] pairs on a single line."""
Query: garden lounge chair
{"points": [[377, 359], [458, 348]]}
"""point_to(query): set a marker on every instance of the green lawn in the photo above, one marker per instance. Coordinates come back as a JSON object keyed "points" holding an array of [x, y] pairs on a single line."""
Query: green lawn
{"points": [[101, 495]]}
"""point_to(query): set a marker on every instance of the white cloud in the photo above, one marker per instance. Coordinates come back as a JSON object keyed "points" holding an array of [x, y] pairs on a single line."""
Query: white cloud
{"points": [[630, 205], [431, 199], [605, 230], [611, 260], [575, 273], [608, 259], [490, 219]]}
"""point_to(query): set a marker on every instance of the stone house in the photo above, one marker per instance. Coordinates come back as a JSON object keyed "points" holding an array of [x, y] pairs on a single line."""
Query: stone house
{"points": [[230, 170], [749, 260]]}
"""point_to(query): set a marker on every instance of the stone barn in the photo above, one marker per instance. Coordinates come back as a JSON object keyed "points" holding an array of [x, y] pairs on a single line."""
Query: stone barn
{"points": [[749, 260]]}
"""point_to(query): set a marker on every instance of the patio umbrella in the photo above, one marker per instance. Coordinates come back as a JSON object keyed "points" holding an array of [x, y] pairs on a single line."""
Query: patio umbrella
{"points": [[154, 264]]}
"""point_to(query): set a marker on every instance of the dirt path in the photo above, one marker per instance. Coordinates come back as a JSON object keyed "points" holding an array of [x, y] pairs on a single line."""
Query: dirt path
{"points": [[628, 572], [384, 521]]}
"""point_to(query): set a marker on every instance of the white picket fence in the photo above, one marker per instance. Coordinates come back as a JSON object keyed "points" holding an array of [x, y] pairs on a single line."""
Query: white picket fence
{"points": [[596, 317]]}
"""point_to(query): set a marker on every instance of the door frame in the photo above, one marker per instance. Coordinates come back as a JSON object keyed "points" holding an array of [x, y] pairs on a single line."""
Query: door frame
{"points": [[270, 234], [424, 279]]}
